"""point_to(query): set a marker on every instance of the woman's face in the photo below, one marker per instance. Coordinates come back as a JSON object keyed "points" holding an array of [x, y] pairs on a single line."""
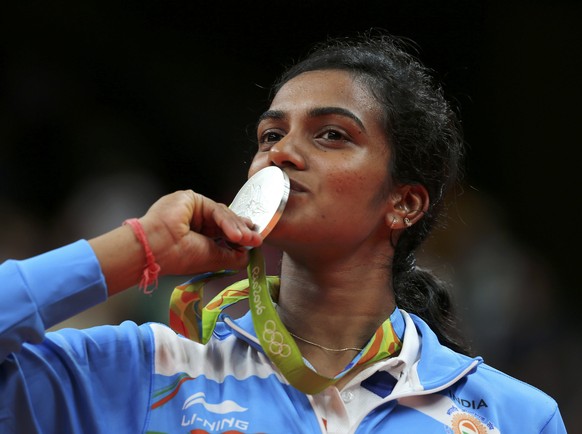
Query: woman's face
{"points": [[325, 130]]}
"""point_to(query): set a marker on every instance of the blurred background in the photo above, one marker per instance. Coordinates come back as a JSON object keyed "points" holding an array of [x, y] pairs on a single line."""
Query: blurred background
{"points": [[104, 106]]}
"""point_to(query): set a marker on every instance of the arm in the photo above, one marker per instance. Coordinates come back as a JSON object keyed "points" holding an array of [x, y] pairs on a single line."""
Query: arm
{"points": [[181, 228], [70, 380]]}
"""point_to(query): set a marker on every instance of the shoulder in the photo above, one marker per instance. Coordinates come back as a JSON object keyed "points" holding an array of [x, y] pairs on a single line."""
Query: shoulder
{"points": [[440, 365], [508, 387], [512, 402]]}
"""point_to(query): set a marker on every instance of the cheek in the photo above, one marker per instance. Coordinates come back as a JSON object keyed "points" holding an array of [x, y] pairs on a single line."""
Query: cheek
{"points": [[351, 183], [260, 161], [362, 189]]}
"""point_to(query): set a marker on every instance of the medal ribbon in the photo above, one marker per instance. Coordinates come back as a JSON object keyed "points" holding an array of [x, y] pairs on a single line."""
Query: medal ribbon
{"points": [[188, 319]]}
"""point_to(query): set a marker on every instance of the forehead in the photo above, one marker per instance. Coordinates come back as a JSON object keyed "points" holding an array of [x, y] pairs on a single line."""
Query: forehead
{"points": [[326, 88]]}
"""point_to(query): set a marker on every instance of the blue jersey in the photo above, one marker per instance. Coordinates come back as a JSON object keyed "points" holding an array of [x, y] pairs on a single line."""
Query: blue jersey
{"points": [[148, 379]]}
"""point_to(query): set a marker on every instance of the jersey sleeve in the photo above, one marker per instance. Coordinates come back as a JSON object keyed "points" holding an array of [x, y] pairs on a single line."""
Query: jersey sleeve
{"points": [[44, 290]]}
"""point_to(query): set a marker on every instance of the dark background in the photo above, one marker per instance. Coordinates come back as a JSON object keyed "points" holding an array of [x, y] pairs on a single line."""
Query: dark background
{"points": [[106, 105]]}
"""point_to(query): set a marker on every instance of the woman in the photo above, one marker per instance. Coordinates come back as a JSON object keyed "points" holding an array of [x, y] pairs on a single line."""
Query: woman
{"points": [[371, 148]]}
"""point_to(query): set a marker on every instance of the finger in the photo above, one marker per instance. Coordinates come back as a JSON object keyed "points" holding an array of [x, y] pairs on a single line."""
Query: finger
{"points": [[219, 255], [237, 230]]}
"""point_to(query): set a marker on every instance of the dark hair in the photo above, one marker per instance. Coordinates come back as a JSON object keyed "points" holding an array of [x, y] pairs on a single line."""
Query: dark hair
{"points": [[427, 149]]}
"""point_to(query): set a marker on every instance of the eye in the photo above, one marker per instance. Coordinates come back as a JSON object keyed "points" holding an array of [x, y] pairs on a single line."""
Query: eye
{"points": [[268, 138], [332, 137]]}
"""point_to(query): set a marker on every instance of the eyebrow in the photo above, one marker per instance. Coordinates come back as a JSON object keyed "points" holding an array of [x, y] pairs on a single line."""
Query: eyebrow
{"points": [[313, 113]]}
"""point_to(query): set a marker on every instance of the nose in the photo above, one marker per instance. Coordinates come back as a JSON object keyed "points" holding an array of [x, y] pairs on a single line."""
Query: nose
{"points": [[287, 152]]}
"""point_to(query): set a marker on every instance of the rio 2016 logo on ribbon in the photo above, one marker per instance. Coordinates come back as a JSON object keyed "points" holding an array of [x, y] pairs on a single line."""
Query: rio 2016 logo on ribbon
{"points": [[256, 290], [275, 340]]}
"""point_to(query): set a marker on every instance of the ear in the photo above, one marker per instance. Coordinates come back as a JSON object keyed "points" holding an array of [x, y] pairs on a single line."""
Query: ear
{"points": [[409, 203]]}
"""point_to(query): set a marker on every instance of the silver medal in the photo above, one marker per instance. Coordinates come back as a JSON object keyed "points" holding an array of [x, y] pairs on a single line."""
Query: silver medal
{"points": [[262, 198]]}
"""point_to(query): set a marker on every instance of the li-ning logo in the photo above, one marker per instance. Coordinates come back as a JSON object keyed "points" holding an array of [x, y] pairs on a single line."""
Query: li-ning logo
{"points": [[256, 290], [223, 407], [208, 424], [275, 340]]}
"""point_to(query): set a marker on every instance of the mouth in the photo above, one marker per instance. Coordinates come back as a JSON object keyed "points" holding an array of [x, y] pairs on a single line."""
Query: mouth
{"points": [[296, 187]]}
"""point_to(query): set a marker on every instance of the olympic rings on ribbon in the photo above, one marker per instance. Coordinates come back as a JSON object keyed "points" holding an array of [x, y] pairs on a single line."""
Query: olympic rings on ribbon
{"points": [[275, 340]]}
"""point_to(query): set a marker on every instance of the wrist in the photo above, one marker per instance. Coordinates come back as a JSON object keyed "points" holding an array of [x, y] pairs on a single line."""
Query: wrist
{"points": [[151, 268], [121, 258]]}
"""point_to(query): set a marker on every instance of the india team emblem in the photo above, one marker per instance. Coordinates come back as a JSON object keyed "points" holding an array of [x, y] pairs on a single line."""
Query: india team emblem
{"points": [[464, 423]]}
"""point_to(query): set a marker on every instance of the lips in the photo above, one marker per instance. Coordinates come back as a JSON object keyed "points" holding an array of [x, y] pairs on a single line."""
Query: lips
{"points": [[296, 186]]}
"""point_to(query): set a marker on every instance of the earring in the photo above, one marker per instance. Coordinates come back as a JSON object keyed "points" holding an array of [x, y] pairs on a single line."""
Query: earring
{"points": [[407, 221]]}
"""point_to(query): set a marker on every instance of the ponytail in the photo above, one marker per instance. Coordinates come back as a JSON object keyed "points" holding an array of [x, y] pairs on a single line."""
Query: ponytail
{"points": [[420, 292]]}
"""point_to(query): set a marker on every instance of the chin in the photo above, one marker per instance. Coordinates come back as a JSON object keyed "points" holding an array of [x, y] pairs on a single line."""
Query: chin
{"points": [[280, 239]]}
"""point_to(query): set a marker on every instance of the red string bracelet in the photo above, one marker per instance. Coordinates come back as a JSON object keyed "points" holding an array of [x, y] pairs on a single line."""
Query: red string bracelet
{"points": [[152, 268]]}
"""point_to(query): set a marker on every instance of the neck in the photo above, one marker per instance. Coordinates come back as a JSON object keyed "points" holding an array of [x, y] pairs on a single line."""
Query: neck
{"points": [[336, 305]]}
